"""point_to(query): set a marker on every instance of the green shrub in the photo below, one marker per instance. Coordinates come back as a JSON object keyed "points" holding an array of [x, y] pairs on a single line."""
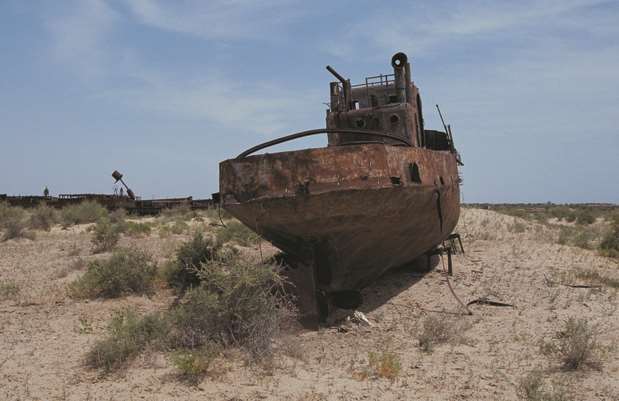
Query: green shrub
{"points": [[237, 232], [134, 229], [128, 335], [194, 364], [83, 212], [237, 303], [8, 289], [610, 243], [43, 217], [585, 217], [182, 272], [126, 271], [6, 212], [106, 235]]}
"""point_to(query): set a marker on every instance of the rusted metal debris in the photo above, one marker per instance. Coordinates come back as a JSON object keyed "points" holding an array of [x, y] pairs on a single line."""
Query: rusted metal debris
{"points": [[129, 202], [384, 192], [111, 202]]}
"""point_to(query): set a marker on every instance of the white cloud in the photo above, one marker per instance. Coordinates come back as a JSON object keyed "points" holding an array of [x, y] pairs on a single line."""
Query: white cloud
{"points": [[216, 19], [257, 107], [84, 41], [420, 29], [78, 38]]}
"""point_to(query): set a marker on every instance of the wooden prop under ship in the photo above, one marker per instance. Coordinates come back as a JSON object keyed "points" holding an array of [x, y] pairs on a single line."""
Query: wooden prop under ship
{"points": [[384, 192]]}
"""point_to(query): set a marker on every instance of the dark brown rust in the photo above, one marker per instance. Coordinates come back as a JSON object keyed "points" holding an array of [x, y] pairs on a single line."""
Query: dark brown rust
{"points": [[347, 213]]}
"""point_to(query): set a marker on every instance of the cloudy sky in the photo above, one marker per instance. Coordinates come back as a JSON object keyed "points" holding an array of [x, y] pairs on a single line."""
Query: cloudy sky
{"points": [[164, 90]]}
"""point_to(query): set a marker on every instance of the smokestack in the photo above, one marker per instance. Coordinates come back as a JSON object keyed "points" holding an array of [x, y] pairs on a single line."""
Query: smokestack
{"points": [[399, 62]]}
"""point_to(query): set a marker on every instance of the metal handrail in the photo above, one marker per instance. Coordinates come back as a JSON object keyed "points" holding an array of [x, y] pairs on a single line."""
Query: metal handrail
{"points": [[319, 131]]}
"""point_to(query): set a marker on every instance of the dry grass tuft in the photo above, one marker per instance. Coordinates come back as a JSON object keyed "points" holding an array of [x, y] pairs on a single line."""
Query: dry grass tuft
{"points": [[575, 345], [532, 388]]}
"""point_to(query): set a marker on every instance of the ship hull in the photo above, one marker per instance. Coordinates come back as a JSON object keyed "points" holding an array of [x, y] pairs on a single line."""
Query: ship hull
{"points": [[345, 214]]}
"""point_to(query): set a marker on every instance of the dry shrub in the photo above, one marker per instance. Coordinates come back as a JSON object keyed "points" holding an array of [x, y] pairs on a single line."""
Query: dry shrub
{"points": [[237, 232], [435, 331], [575, 346], [81, 213], [127, 271], [106, 235], [179, 213], [13, 222], [16, 228], [128, 335], [178, 227], [532, 388], [517, 227], [43, 217], [118, 216], [216, 214]]}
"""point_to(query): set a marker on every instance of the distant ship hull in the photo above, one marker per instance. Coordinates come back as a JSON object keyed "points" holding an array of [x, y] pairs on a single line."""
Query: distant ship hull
{"points": [[345, 214]]}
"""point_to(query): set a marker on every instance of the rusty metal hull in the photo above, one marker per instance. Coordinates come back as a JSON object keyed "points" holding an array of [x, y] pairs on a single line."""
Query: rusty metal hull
{"points": [[348, 213]]}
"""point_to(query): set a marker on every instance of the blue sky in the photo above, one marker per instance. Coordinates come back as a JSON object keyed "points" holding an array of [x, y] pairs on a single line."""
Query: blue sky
{"points": [[164, 90]]}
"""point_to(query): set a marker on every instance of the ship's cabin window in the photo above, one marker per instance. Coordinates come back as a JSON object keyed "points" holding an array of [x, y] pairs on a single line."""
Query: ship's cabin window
{"points": [[413, 169], [393, 99]]}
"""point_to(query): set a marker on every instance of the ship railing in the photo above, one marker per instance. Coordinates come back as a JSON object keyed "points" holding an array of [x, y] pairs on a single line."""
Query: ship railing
{"points": [[377, 80]]}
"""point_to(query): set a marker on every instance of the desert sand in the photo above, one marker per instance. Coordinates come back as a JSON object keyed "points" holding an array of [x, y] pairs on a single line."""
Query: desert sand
{"points": [[44, 334]]}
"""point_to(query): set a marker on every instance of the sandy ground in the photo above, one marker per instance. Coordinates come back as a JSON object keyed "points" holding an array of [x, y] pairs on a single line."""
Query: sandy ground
{"points": [[44, 334]]}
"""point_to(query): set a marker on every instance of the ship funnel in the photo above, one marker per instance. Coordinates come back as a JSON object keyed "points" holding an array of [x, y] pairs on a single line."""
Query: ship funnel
{"points": [[401, 70], [345, 86]]}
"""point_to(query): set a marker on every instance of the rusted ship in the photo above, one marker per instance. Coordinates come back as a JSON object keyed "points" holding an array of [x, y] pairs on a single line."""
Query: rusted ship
{"points": [[384, 192]]}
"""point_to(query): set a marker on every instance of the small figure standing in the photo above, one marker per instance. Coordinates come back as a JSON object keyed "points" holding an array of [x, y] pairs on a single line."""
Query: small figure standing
{"points": [[122, 192], [46, 192]]}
